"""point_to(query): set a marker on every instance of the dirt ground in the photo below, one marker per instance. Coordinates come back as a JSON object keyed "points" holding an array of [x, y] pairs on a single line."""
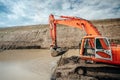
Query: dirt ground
{"points": [[38, 36], [28, 64]]}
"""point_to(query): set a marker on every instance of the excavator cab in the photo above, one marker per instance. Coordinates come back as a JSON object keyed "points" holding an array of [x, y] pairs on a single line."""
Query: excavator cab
{"points": [[95, 48]]}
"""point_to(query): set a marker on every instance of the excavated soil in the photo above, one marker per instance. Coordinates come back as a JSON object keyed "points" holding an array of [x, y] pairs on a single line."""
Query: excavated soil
{"points": [[37, 36], [73, 68]]}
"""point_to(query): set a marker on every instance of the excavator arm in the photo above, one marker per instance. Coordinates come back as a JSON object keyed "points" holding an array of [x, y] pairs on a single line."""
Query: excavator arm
{"points": [[72, 22]]}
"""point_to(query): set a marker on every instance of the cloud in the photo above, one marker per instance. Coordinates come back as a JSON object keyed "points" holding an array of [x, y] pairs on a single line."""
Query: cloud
{"points": [[24, 12]]}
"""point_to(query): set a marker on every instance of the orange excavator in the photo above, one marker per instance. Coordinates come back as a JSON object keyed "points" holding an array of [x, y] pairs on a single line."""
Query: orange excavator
{"points": [[94, 46]]}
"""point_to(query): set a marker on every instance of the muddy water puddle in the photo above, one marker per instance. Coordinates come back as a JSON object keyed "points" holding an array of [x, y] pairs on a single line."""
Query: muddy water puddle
{"points": [[26, 65]]}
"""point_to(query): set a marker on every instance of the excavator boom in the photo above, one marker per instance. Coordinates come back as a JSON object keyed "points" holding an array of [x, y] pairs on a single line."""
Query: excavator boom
{"points": [[73, 22]]}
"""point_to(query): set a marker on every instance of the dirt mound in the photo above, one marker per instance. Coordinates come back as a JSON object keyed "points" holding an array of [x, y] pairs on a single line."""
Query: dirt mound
{"points": [[38, 35], [72, 68]]}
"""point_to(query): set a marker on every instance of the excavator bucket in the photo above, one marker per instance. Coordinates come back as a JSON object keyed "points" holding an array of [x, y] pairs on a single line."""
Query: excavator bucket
{"points": [[58, 51]]}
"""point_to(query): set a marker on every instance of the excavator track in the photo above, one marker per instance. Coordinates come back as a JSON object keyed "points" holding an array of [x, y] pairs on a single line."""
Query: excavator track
{"points": [[73, 68]]}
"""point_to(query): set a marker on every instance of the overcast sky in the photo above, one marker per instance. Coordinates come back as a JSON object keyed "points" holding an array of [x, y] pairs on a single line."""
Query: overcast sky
{"points": [[31, 12]]}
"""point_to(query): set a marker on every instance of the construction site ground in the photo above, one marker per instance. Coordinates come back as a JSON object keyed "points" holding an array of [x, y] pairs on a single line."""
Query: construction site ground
{"points": [[30, 64]]}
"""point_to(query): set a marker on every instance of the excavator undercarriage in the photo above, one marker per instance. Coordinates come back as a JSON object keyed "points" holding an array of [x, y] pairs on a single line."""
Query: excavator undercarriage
{"points": [[73, 68]]}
